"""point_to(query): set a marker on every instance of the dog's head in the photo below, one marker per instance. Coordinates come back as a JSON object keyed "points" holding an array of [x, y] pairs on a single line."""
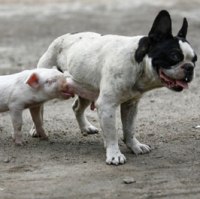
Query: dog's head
{"points": [[171, 56]]}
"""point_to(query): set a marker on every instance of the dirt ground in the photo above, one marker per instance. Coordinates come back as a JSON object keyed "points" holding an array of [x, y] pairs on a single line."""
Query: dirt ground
{"points": [[70, 165]]}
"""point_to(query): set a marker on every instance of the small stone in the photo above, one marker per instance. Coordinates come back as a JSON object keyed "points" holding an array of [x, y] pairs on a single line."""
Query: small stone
{"points": [[151, 134], [129, 180], [84, 134], [6, 160], [51, 142], [197, 127], [158, 156]]}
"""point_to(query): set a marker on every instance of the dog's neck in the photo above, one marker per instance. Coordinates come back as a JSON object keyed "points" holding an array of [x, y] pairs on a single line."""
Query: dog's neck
{"points": [[148, 78]]}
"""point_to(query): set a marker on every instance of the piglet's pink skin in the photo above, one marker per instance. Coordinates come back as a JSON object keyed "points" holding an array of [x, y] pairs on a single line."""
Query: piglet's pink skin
{"points": [[29, 89]]}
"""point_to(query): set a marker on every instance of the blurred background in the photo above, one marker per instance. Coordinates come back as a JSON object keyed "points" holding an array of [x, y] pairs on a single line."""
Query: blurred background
{"points": [[27, 27]]}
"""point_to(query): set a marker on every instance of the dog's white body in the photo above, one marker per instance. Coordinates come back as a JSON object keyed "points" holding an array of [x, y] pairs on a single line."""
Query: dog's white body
{"points": [[101, 61], [104, 69], [29, 89], [105, 65], [113, 70]]}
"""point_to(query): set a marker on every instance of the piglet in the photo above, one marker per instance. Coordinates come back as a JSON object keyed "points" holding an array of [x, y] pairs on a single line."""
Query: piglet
{"points": [[29, 89]]}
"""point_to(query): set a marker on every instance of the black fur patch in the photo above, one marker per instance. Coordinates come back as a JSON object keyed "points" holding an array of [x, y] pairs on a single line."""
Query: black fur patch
{"points": [[142, 49], [59, 69], [166, 54]]}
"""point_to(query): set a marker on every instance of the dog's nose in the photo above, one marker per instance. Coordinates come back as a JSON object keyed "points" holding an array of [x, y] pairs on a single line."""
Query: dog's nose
{"points": [[189, 69]]}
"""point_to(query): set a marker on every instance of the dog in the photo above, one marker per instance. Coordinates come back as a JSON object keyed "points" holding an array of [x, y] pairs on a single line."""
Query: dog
{"points": [[29, 89], [117, 70]]}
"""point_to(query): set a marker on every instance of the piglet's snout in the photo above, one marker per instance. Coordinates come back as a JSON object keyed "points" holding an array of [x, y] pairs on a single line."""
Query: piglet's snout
{"points": [[65, 90]]}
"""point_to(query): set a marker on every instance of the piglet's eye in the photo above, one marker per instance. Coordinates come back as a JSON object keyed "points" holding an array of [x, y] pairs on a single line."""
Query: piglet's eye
{"points": [[47, 82], [50, 81]]}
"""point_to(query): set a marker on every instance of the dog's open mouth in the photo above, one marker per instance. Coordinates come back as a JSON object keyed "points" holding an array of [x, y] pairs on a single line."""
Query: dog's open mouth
{"points": [[175, 84]]}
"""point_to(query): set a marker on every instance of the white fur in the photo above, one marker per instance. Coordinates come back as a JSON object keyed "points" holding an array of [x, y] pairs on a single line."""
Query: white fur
{"points": [[105, 66], [187, 50]]}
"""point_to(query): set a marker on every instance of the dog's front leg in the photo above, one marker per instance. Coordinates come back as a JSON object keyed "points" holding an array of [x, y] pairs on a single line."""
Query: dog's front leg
{"points": [[128, 114], [107, 117]]}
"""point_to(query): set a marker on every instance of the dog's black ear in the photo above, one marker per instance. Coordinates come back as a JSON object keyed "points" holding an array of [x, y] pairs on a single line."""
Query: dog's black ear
{"points": [[161, 28], [142, 49], [183, 31]]}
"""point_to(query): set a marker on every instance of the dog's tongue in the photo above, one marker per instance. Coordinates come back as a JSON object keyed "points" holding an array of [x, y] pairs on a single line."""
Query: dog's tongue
{"points": [[182, 84], [172, 82]]}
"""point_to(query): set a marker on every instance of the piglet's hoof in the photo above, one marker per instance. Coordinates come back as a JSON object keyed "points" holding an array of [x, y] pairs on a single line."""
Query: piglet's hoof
{"points": [[18, 142], [33, 133], [45, 138], [42, 136]]}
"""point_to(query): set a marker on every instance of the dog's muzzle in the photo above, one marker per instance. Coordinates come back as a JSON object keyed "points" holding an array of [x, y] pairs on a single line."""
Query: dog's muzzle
{"points": [[177, 81]]}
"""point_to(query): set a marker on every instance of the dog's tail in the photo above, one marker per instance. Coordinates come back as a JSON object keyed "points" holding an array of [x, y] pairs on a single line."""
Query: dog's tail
{"points": [[50, 57]]}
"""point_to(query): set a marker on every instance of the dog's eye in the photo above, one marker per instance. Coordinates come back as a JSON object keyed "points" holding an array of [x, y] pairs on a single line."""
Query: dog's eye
{"points": [[175, 56]]}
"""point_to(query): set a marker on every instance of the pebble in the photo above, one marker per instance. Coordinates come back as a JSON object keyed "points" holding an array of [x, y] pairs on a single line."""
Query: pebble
{"points": [[197, 127], [6, 160], [151, 134], [51, 142], [129, 180]]}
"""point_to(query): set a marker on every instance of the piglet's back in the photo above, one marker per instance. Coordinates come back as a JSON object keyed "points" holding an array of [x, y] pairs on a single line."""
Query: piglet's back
{"points": [[9, 86]]}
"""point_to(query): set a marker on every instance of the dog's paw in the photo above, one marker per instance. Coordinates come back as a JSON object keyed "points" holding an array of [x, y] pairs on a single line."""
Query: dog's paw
{"points": [[138, 148], [115, 157], [88, 130], [141, 148]]}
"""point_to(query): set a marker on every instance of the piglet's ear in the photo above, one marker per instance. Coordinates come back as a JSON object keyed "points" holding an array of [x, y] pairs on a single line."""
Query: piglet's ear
{"points": [[33, 80]]}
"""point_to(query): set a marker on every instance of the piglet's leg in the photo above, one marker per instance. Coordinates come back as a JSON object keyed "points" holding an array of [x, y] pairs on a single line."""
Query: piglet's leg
{"points": [[16, 117], [33, 131], [38, 122]]}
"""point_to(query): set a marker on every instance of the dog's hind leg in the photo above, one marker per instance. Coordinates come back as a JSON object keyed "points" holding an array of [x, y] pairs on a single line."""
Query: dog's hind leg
{"points": [[79, 106], [128, 114]]}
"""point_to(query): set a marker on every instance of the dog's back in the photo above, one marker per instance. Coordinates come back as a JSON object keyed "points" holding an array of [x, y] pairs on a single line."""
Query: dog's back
{"points": [[91, 52]]}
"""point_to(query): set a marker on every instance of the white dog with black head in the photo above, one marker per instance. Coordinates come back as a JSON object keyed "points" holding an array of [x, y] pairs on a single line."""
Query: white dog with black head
{"points": [[113, 71]]}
